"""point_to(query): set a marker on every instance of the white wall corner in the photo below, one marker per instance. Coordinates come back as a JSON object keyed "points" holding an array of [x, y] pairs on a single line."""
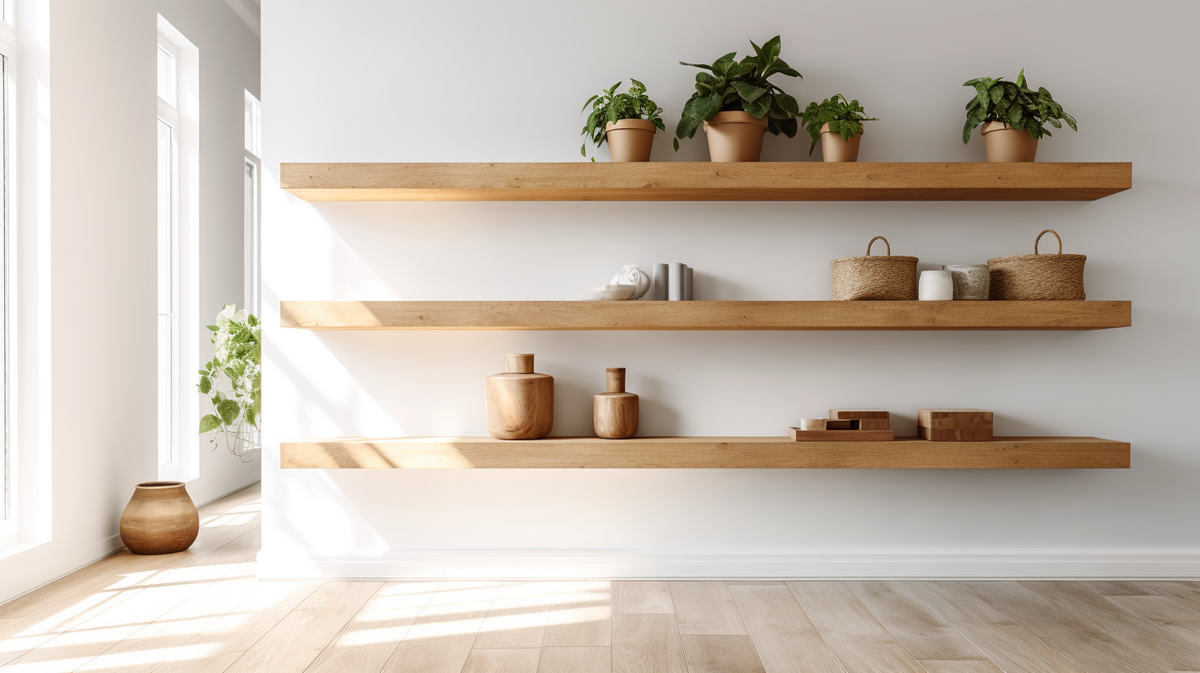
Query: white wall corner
{"points": [[248, 11]]}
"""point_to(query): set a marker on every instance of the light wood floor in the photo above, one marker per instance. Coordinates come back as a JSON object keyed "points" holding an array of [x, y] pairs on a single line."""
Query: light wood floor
{"points": [[203, 610]]}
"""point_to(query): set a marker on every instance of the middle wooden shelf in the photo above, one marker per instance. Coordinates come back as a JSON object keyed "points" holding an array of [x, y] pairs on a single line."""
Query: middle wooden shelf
{"points": [[705, 315]]}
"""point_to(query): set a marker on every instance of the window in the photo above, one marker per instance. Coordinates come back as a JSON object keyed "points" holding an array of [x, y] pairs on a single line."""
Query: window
{"points": [[178, 250], [252, 168]]}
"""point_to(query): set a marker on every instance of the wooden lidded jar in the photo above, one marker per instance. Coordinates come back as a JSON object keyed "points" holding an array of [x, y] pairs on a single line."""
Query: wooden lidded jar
{"points": [[615, 412], [520, 403], [160, 519]]}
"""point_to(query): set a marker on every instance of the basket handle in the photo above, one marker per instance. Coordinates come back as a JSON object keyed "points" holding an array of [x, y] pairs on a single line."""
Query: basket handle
{"points": [[889, 245], [1039, 238]]}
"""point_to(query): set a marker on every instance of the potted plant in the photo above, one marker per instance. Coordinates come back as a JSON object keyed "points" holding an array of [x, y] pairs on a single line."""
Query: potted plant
{"points": [[232, 381], [737, 105], [837, 123], [627, 120], [1012, 116]]}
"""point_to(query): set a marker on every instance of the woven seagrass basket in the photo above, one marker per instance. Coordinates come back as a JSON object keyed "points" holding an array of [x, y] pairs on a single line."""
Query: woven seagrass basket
{"points": [[1038, 276], [875, 277]]}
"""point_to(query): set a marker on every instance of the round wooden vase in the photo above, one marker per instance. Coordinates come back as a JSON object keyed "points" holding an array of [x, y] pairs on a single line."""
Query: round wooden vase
{"points": [[160, 519], [615, 412], [520, 403]]}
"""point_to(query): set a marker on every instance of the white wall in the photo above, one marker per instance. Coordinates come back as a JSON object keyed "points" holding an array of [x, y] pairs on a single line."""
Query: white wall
{"points": [[484, 81], [103, 263]]}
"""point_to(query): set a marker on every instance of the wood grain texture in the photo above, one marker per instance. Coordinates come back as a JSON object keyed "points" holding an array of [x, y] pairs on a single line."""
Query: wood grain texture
{"points": [[705, 181], [370, 638], [1075, 636], [861, 643], [1009, 646], [705, 315], [1174, 617], [798, 435], [642, 598], [721, 654], [706, 608], [787, 642], [702, 452], [1157, 644], [581, 616], [517, 616], [647, 644], [441, 638], [919, 629], [951, 666], [1187, 593], [499, 661], [575, 660]]}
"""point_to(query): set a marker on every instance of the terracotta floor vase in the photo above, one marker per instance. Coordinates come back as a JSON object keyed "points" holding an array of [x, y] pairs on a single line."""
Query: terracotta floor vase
{"points": [[160, 519], [629, 139], [834, 149], [735, 136], [1006, 144]]}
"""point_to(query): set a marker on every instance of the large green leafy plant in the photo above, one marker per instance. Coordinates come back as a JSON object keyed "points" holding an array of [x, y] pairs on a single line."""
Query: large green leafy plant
{"points": [[610, 106], [844, 118], [232, 380], [730, 85], [1014, 103]]}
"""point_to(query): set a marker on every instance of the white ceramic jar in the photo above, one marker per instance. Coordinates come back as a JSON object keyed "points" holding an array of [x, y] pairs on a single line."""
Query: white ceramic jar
{"points": [[936, 285]]}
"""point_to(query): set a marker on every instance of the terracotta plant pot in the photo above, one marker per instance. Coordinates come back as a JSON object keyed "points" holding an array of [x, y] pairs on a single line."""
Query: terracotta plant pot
{"points": [[833, 148], [629, 139], [160, 519], [1006, 144], [735, 136]]}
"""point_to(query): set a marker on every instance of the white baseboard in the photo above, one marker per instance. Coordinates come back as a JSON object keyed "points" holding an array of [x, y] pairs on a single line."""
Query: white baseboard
{"points": [[34, 576], [494, 565]]}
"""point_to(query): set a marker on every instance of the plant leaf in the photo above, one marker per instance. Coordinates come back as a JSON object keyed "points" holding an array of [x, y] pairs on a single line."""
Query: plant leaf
{"points": [[748, 92], [209, 423]]}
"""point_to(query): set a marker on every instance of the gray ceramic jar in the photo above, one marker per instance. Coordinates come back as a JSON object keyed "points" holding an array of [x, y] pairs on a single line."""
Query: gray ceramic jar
{"points": [[971, 281]]}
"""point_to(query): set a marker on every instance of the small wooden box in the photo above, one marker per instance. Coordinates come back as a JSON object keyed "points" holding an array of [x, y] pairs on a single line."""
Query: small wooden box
{"points": [[955, 425], [869, 419]]}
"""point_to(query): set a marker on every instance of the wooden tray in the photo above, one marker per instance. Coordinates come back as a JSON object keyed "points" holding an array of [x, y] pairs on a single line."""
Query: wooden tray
{"points": [[799, 435]]}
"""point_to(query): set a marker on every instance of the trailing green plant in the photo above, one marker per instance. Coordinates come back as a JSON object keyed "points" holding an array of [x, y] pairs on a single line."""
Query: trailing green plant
{"points": [[1014, 103], [844, 118], [731, 85], [232, 380], [613, 107]]}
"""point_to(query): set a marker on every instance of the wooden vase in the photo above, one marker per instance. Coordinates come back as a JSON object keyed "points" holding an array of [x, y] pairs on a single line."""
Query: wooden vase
{"points": [[160, 519], [615, 412], [520, 403]]}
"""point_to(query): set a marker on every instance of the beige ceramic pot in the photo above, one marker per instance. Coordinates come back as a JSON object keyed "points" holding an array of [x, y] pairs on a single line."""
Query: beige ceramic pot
{"points": [[833, 148], [160, 519], [735, 136], [1006, 144], [629, 139]]}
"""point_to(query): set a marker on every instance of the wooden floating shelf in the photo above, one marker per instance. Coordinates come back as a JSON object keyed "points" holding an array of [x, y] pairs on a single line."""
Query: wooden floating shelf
{"points": [[702, 452], [705, 181], [705, 315]]}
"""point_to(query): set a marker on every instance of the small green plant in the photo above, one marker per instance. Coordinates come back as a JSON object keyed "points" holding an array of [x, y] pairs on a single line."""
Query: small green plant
{"points": [[232, 380], [844, 118], [610, 106], [742, 85], [1014, 103]]}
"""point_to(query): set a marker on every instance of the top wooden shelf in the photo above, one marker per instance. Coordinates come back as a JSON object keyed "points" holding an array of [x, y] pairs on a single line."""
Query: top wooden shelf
{"points": [[705, 181]]}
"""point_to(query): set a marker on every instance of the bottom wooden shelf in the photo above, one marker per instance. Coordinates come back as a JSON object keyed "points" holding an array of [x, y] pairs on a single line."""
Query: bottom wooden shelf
{"points": [[702, 452]]}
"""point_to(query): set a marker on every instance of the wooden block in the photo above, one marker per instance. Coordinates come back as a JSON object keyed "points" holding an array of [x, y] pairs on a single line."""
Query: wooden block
{"points": [[841, 435], [831, 424], [958, 419], [955, 434], [871, 424], [860, 414]]}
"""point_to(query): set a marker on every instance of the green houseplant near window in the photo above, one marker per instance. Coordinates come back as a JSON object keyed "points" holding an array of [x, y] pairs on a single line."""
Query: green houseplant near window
{"points": [[232, 381], [736, 103], [626, 120], [838, 124], [1012, 117]]}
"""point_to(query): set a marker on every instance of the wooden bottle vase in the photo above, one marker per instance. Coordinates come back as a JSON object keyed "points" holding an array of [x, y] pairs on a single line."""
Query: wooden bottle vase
{"points": [[615, 413], [520, 403]]}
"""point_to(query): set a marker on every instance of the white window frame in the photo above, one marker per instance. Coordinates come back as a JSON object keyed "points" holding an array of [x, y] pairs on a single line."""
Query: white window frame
{"points": [[8, 460], [253, 237], [184, 117], [27, 202]]}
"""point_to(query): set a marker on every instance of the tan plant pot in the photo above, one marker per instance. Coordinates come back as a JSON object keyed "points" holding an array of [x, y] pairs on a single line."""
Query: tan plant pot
{"points": [[629, 139], [1006, 144], [833, 148], [735, 136], [160, 519]]}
